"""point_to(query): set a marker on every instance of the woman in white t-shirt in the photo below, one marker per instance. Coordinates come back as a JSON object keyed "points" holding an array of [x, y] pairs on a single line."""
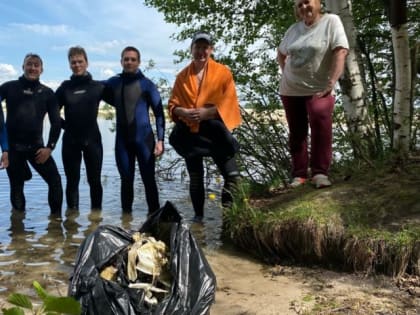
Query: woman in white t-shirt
{"points": [[312, 57]]}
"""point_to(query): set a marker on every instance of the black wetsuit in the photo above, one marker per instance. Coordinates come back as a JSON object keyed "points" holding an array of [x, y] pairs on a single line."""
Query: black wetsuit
{"points": [[213, 140], [27, 103], [80, 97], [4, 144], [133, 95]]}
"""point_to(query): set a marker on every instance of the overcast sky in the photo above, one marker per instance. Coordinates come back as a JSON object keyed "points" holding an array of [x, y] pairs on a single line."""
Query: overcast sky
{"points": [[102, 27]]}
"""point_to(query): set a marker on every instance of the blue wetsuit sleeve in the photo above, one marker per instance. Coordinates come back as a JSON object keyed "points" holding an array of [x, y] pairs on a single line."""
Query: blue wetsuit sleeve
{"points": [[55, 121], [157, 108], [4, 144]]}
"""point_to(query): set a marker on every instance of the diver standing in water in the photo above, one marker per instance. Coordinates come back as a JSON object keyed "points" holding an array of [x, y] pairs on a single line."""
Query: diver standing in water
{"points": [[27, 103], [132, 94], [80, 97]]}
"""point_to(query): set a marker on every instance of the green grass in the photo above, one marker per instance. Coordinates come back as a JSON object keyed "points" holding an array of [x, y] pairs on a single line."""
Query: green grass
{"points": [[369, 221]]}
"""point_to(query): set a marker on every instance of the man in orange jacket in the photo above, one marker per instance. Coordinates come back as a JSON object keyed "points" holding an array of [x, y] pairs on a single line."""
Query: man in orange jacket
{"points": [[205, 108]]}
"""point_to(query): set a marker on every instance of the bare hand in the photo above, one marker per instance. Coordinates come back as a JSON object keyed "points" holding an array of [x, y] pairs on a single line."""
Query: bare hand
{"points": [[4, 160], [196, 115], [327, 91], [42, 155], [189, 114], [159, 148], [209, 111]]}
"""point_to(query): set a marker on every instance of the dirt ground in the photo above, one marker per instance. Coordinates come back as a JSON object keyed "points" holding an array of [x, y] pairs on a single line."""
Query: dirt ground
{"points": [[248, 287]]}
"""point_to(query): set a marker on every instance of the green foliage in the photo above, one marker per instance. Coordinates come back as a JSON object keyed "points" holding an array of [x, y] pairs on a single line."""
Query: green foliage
{"points": [[161, 83], [247, 34], [109, 111], [366, 222], [240, 209], [42, 294], [50, 304], [264, 154], [20, 300], [377, 60], [13, 311]]}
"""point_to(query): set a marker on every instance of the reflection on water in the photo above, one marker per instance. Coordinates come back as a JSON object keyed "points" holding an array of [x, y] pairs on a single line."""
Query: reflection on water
{"points": [[35, 247]]}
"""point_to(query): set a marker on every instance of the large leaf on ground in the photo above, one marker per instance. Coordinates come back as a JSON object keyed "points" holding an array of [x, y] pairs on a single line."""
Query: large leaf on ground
{"points": [[13, 311], [40, 290], [65, 305], [20, 300]]}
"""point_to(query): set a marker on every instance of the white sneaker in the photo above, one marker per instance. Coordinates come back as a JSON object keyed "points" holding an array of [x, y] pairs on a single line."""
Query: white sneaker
{"points": [[297, 181], [321, 181]]}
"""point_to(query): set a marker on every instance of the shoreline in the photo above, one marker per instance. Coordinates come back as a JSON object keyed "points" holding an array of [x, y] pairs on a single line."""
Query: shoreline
{"points": [[247, 286]]}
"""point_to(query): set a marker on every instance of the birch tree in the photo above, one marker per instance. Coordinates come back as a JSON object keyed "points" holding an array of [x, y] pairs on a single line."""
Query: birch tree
{"points": [[353, 92], [247, 34], [352, 84], [402, 96]]}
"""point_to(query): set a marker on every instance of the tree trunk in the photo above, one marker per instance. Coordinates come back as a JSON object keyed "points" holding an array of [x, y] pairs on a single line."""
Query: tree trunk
{"points": [[415, 69], [400, 43], [351, 84]]}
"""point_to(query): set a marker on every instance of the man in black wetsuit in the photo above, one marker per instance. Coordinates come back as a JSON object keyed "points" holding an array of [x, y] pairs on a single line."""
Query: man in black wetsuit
{"points": [[27, 103], [80, 97], [132, 95]]}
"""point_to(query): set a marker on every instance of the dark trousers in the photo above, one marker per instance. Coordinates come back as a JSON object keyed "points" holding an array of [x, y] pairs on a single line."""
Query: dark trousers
{"points": [[303, 112], [227, 168], [92, 152], [18, 173], [126, 154]]}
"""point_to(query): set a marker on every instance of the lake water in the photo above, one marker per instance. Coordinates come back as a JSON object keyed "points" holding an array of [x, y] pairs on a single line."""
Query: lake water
{"points": [[33, 247]]}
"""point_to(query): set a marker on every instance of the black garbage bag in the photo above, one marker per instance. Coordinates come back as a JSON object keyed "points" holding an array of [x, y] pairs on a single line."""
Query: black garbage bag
{"points": [[193, 286]]}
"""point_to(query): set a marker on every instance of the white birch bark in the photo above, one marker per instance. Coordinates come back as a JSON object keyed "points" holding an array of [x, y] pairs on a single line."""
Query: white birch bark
{"points": [[401, 114], [351, 84]]}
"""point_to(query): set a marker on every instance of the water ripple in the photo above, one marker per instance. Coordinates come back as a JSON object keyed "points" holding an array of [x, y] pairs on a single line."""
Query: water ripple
{"points": [[33, 247]]}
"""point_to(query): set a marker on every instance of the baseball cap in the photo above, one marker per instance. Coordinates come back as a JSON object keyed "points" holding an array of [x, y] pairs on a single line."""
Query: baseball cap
{"points": [[203, 36]]}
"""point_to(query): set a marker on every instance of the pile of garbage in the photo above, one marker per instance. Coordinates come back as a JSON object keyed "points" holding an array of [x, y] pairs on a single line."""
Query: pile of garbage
{"points": [[157, 270], [147, 268]]}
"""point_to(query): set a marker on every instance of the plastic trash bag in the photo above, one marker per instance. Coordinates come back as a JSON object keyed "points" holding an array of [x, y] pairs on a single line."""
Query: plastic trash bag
{"points": [[193, 286]]}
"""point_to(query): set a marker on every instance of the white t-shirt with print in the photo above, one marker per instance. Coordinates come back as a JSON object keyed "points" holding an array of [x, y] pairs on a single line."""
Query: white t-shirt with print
{"points": [[309, 51]]}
